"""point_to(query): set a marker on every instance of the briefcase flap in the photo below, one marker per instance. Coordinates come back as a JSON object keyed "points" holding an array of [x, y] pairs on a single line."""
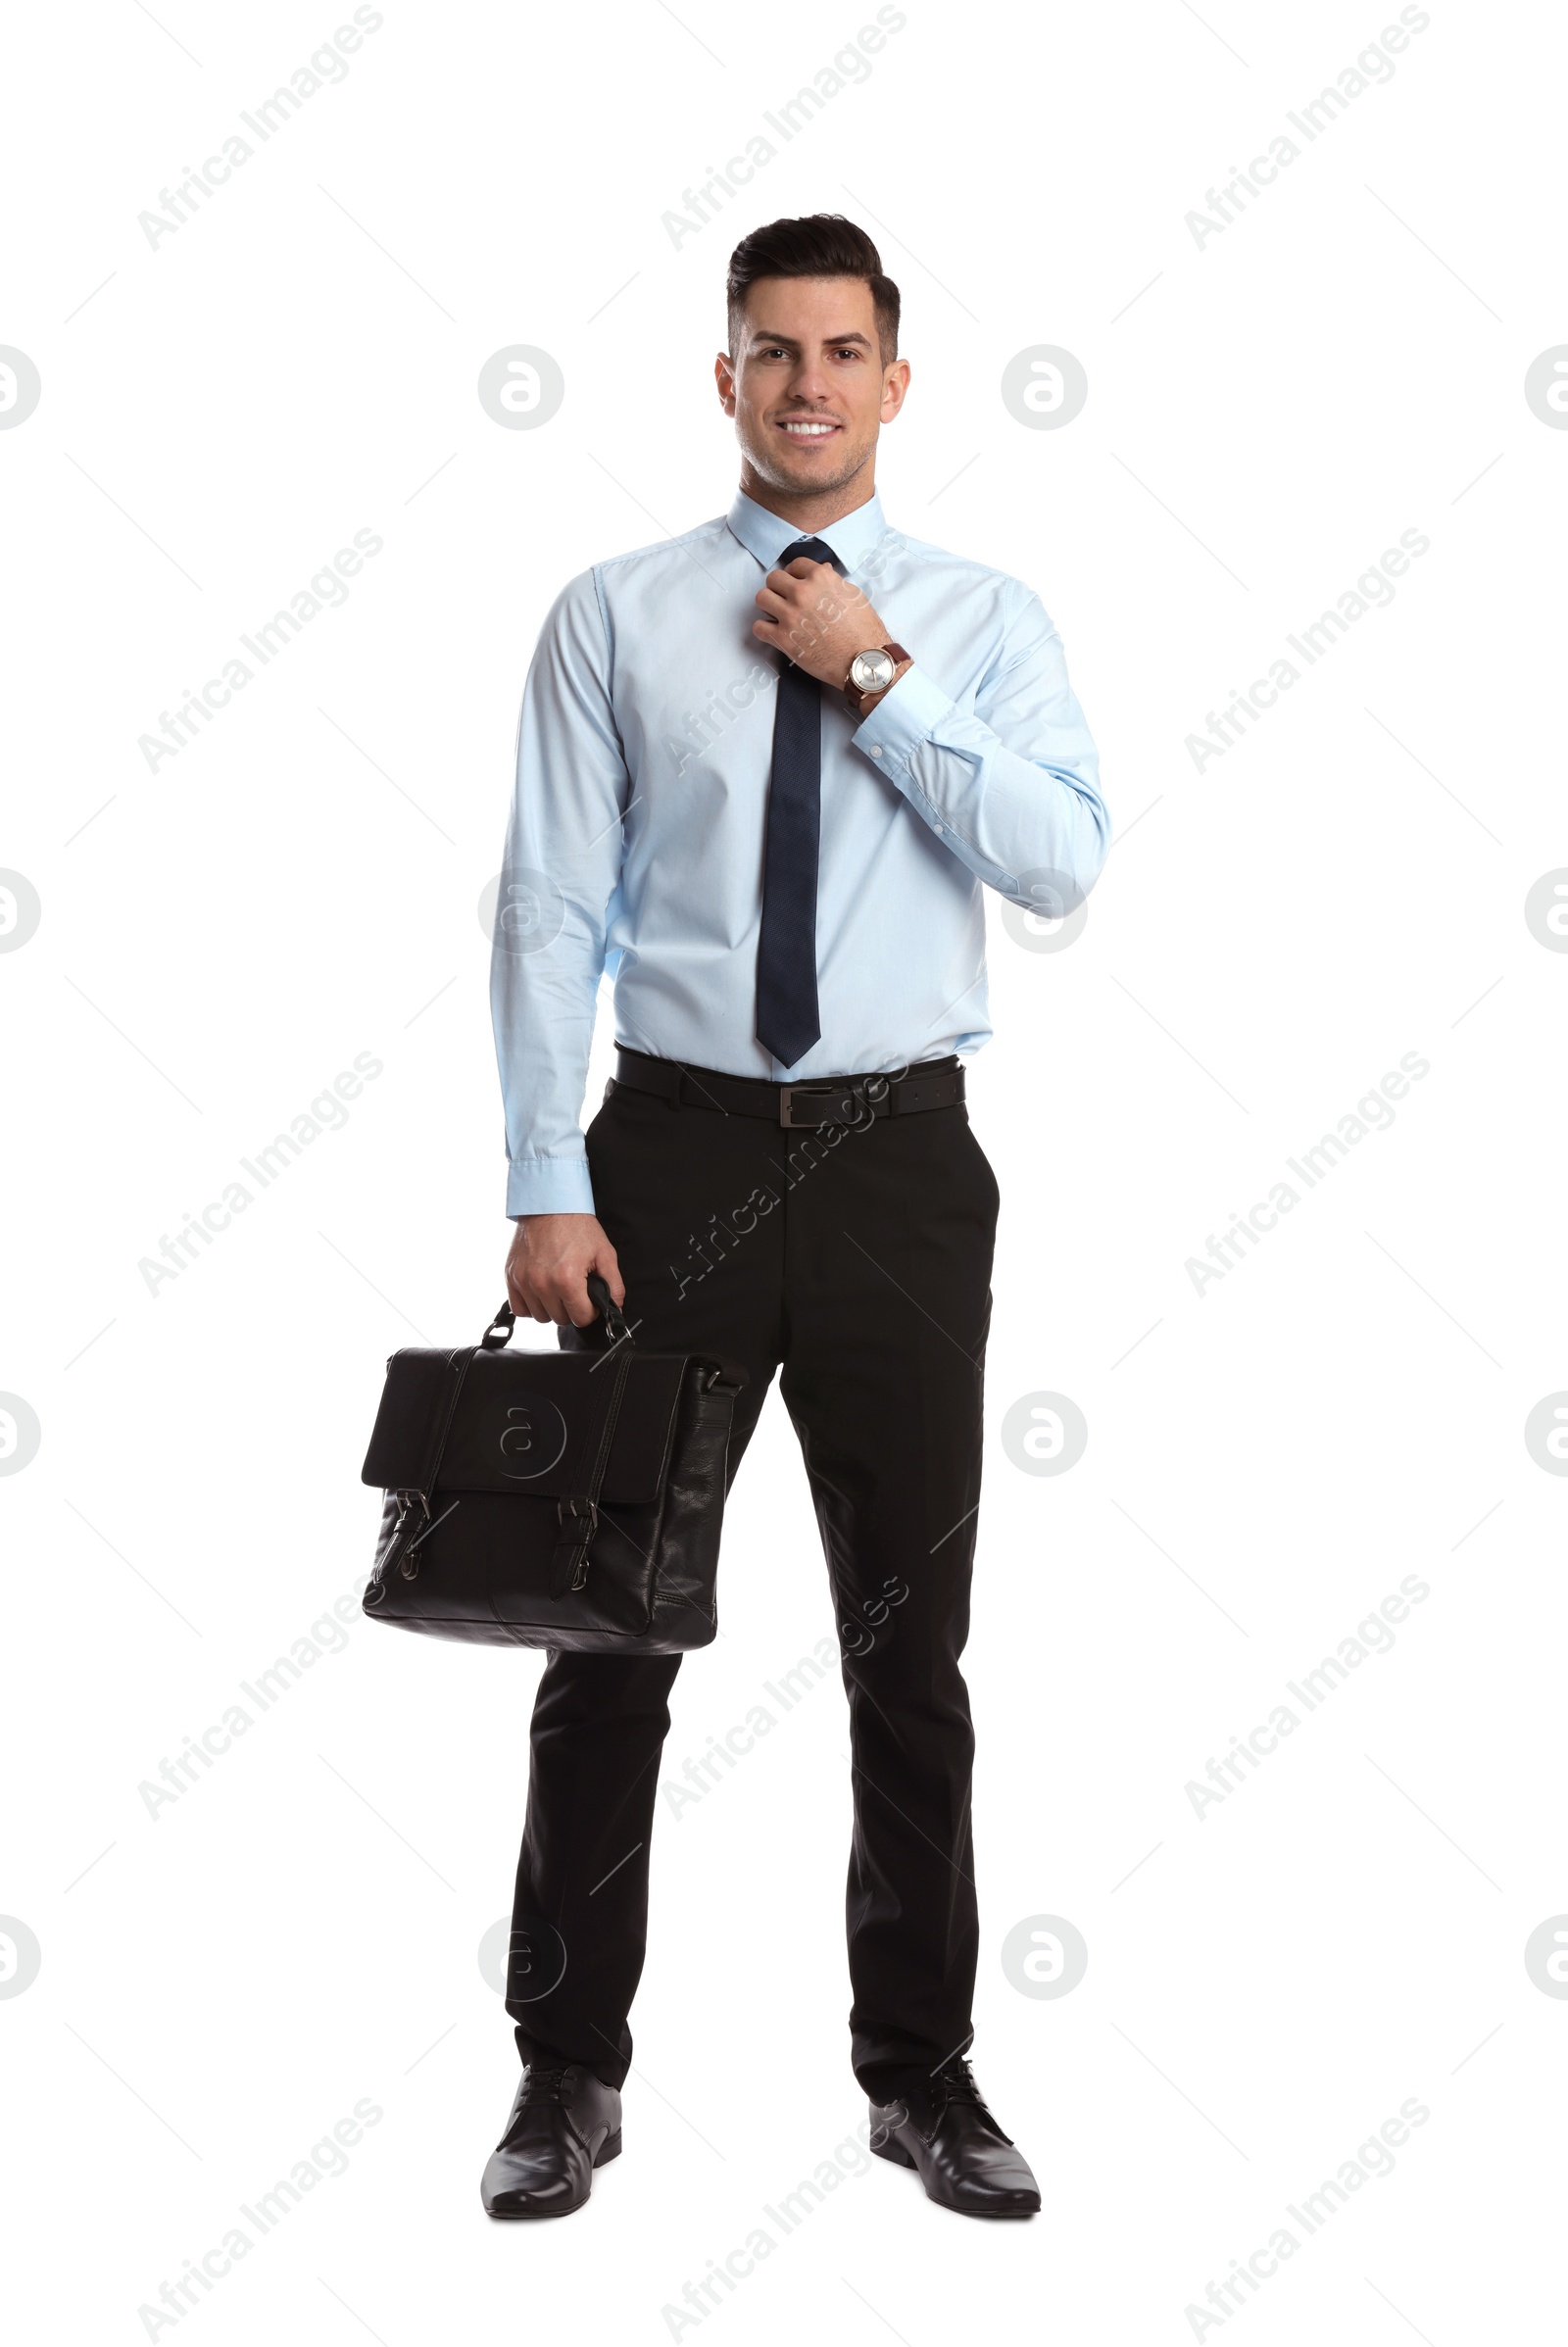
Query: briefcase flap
{"points": [[524, 1422]]}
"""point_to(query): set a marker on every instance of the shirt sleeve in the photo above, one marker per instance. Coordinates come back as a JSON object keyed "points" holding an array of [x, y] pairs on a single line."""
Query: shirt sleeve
{"points": [[561, 870], [1012, 788]]}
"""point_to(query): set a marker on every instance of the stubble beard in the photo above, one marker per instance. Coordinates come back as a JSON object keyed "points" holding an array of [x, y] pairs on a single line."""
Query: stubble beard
{"points": [[764, 462]]}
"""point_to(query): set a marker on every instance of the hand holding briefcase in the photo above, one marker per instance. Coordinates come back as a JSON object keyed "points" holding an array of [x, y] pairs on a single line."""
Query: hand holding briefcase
{"points": [[570, 1499]]}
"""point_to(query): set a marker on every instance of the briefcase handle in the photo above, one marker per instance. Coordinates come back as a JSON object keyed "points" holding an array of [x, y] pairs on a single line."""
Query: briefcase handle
{"points": [[610, 1312], [499, 1334]]}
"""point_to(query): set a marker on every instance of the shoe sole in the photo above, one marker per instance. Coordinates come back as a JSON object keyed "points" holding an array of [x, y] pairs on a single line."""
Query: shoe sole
{"points": [[609, 2149], [903, 2159]]}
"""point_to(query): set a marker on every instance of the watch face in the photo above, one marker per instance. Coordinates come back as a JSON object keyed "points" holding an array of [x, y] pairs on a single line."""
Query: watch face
{"points": [[870, 671]]}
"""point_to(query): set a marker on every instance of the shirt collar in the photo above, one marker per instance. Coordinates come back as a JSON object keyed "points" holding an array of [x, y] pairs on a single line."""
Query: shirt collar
{"points": [[765, 535]]}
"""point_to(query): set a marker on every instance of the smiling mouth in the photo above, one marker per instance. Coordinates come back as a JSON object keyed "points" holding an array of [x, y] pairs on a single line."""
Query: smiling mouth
{"points": [[807, 430]]}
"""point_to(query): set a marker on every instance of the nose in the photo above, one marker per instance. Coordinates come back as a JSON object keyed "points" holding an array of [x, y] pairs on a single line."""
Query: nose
{"points": [[808, 383]]}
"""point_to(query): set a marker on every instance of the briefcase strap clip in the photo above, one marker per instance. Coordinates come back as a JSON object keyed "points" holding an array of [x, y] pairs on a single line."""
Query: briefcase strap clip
{"points": [[579, 1518], [398, 1547]]}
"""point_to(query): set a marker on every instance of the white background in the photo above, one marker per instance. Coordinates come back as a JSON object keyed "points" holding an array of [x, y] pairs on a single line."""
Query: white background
{"points": [[1266, 1461]]}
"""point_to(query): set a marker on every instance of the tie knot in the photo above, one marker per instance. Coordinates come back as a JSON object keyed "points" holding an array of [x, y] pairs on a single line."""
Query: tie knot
{"points": [[815, 549]]}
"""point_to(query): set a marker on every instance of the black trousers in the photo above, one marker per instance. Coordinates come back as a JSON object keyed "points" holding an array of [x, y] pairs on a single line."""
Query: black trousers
{"points": [[855, 1261]]}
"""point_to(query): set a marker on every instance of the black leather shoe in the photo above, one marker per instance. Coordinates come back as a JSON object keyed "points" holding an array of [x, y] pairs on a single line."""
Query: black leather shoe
{"points": [[944, 2130], [565, 2123]]}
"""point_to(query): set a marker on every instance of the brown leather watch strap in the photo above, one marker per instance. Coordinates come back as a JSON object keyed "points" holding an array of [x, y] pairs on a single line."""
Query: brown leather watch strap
{"points": [[855, 700]]}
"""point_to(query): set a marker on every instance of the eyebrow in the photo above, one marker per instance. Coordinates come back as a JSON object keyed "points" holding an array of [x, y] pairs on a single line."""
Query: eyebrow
{"points": [[788, 343]]}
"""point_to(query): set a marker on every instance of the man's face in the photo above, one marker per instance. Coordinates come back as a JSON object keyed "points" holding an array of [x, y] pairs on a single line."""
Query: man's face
{"points": [[807, 386]]}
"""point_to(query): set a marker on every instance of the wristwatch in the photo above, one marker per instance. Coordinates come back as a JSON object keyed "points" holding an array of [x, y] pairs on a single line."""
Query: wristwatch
{"points": [[871, 672]]}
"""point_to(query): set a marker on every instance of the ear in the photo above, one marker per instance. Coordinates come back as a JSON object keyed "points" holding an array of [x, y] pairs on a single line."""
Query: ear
{"points": [[724, 377], [894, 384]]}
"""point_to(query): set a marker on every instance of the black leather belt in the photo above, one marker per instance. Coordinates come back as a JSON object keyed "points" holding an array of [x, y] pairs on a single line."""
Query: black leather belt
{"points": [[831, 1100]]}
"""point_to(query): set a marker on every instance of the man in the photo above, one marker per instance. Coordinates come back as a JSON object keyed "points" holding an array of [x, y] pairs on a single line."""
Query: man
{"points": [[763, 773]]}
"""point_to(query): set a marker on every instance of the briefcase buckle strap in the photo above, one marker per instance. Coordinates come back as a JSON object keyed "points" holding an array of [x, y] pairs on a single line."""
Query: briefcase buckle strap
{"points": [[398, 1547], [579, 1519], [577, 1514], [409, 1564]]}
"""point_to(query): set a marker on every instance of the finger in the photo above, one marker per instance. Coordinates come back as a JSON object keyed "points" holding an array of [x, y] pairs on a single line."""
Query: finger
{"points": [[608, 1270], [536, 1290], [562, 1299], [575, 1304], [770, 601]]}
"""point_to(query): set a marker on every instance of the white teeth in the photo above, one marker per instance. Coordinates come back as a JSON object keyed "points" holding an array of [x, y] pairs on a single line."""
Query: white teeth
{"points": [[808, 431]]}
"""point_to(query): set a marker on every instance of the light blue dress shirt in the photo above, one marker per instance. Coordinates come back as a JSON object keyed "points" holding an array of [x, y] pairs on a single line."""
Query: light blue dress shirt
{"points": [[636, 836]]}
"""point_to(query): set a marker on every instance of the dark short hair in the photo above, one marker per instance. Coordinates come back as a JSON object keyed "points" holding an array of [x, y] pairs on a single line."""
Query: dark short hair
{"points": [[823, 245]]}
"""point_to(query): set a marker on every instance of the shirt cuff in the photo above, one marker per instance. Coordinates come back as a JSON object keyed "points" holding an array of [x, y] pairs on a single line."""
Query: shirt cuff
{"points": [[907, 715], [548, 1185]]}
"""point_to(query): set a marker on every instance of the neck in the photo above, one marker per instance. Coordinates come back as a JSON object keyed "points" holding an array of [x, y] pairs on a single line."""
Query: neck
{"points": [[811, 510]]}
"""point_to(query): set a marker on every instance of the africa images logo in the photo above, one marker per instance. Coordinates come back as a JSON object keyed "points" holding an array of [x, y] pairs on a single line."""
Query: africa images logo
{"points": [[531, 1436]]}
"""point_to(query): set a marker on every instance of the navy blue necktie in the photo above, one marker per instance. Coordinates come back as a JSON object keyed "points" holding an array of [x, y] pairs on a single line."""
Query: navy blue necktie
{"points": [[787, 1017]]}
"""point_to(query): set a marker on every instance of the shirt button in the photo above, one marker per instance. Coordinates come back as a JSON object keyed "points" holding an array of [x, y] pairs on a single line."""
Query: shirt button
{"points": [[875, 751]]}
